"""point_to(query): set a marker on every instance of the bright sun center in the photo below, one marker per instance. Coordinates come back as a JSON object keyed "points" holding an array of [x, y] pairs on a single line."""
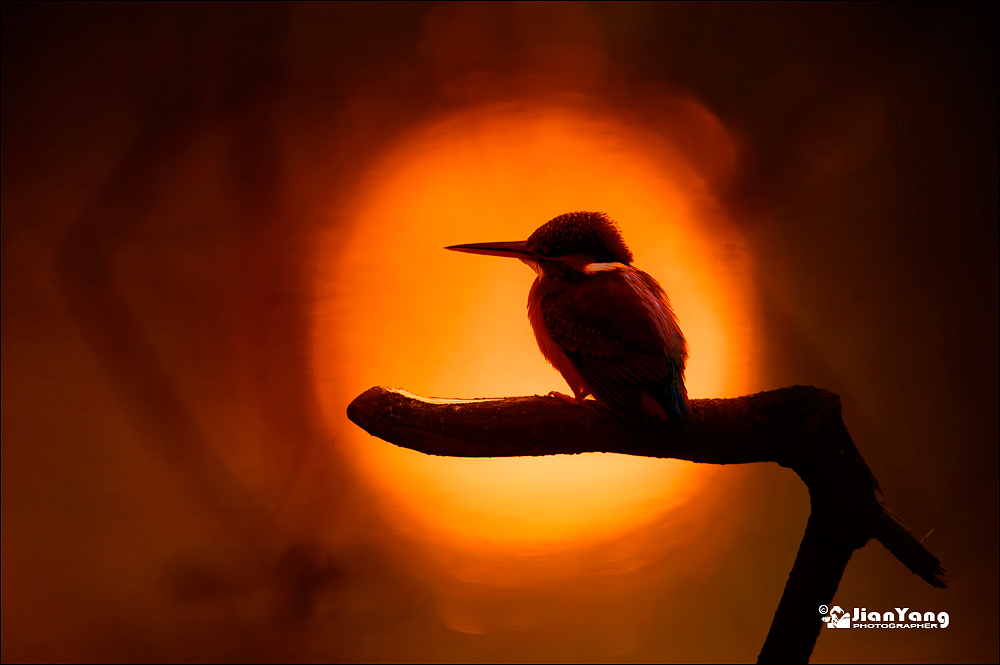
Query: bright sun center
{"points": [[394, 308]]}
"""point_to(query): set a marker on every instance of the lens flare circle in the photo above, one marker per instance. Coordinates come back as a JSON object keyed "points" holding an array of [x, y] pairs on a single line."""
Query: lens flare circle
{"points": [[394, 308]]}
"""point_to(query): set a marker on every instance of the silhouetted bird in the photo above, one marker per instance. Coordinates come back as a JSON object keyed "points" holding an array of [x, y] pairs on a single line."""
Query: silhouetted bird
{"points": [[606, 326]]}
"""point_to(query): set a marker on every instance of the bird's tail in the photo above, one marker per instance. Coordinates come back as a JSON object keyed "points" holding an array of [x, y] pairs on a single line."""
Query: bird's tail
{"points": [[904, 546]]}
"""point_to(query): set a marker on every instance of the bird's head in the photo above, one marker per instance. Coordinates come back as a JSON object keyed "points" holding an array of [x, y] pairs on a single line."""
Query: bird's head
{"points": [[577, 242]]}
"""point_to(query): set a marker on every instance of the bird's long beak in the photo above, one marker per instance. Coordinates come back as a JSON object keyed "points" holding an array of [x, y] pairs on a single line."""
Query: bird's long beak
{"points": [[515, 249]]}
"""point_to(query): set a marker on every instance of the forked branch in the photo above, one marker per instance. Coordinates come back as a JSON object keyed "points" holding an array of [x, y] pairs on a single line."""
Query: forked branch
{"points": [[799, 427]]}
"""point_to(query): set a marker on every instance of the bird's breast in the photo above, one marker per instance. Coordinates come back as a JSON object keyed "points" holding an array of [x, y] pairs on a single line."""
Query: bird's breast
{"points": [[550, 349]]}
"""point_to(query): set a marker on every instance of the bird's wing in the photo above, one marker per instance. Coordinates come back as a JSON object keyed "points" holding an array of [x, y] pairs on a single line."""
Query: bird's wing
{"points": [[618, 331]]}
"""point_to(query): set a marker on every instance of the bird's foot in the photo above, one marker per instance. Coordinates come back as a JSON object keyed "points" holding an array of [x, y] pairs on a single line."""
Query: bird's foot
{"points": [[575, 401]]}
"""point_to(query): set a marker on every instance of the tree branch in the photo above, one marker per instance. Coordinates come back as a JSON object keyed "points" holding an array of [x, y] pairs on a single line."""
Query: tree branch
{"points": [[799, 427]]}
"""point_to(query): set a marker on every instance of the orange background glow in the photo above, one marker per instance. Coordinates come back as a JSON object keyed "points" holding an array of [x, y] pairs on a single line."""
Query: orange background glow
{"points": [[441, 324], [224, 221]]}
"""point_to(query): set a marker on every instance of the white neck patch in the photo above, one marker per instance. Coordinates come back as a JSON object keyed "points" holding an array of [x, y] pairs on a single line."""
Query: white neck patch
{"points": [[591, 268]]}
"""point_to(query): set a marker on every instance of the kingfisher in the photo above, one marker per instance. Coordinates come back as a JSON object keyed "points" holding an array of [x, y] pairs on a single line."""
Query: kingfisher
{"points": [[606, 326]]}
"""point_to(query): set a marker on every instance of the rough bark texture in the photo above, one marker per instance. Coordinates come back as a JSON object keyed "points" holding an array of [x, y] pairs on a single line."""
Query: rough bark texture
{"points": [[799, 427]]}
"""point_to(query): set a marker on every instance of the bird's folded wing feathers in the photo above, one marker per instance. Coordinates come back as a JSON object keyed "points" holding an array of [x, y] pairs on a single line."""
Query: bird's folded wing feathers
{"points": [[615, 338]]}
